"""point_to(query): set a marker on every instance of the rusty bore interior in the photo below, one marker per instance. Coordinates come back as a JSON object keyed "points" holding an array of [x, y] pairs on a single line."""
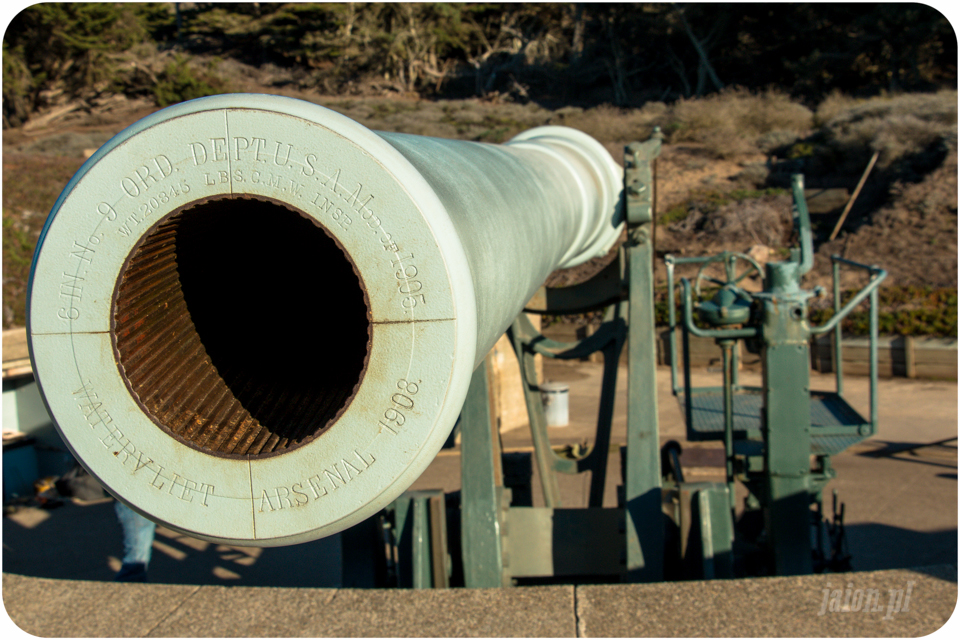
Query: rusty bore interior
{"points": [[241, 326]]}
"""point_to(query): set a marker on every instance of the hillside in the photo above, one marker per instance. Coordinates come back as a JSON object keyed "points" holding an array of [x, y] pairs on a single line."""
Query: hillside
{"points": [[716, 187], [728, 152]]}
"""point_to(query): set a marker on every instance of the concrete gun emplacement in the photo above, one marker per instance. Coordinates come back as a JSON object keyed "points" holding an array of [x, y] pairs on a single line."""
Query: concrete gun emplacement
{"points": [[255, 321]]}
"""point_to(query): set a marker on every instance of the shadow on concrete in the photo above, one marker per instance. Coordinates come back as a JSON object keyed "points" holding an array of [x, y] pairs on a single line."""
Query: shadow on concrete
{"points": [[944, 572], [878, 546], [83, 542], [891, 448], [939, 454]]}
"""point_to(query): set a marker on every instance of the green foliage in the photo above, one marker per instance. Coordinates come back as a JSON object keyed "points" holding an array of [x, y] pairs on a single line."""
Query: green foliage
{"points": [[577, 53], [907, 311], [70, 47], [69, 41], [739, 195], [179, 82], [17, 85], [414, 44], [800, 150], [17, 255], [571, 48], [16, 75], [17, 245], [675, 214]]}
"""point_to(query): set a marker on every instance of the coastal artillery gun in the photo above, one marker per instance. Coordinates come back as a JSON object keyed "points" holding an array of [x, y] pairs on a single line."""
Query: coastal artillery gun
{"points": [[256, 322]]}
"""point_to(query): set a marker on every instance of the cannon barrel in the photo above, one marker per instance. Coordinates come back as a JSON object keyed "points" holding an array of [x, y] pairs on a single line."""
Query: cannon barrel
{"points": [[255, 321]]}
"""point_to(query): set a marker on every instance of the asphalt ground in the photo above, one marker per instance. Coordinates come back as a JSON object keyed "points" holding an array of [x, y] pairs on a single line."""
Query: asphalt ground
{"points": [[900, 493]]}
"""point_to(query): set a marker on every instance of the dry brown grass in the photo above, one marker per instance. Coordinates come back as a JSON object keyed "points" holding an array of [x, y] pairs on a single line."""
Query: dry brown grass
{"points": [[913, 237], [737, 226], [897, 127], [611, 124], [732, 122], [31, 184], [461, 119]]}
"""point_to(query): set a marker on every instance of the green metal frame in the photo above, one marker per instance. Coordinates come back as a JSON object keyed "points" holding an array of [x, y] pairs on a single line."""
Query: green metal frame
{"points": [[527, 343], [642, 491], [771, 457], [418, 540], [483, 500]]}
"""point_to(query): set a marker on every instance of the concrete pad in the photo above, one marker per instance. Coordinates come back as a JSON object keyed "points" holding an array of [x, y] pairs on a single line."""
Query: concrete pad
{"points": [[70, 608], [251, 612], [524, 612], [773, 607], [900, 510], [88, 609], [902, 603]]}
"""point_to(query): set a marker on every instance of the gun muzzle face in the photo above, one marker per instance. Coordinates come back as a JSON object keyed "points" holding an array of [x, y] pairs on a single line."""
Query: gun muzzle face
{"points": [[246, 319]]}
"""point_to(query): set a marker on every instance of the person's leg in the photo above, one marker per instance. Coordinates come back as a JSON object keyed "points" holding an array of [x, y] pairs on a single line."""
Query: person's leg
{"points": [[138, 535]]}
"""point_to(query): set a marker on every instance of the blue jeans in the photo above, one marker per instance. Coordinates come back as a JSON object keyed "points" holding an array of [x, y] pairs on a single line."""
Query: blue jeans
{"points": [[138, 535]]}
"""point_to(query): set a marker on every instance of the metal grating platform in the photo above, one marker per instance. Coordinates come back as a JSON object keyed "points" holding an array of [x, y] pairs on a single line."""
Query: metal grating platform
{"points": [[835, 424]]}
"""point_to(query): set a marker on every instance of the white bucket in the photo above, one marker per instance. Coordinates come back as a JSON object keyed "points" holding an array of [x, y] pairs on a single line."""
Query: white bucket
{"points": [[556, 404]]}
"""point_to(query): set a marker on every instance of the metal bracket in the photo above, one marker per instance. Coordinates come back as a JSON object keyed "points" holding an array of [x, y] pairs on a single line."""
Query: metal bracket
{"points": [[638, 183]]}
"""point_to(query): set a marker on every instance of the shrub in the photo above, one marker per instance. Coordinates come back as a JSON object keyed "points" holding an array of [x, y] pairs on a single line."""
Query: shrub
{"points": [[736, 217], [907, 311], [179, 82], [735, 121], [71, 41], [897, 127]]}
